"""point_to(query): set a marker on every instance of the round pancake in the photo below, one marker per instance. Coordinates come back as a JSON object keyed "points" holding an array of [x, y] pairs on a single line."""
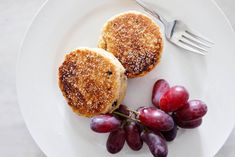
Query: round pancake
{"points": [[92, 81], [135, 40]]}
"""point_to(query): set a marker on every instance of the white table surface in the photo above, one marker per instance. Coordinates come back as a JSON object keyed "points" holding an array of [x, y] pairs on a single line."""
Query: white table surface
{"points": [[15, 17]]}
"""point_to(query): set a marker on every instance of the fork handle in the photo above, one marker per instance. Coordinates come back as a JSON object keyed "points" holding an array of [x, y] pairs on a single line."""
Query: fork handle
{"points": [[152, 12], [163, 20]]}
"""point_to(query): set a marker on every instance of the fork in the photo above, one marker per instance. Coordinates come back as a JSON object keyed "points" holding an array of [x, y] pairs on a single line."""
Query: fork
{"points": [[180, 34]]}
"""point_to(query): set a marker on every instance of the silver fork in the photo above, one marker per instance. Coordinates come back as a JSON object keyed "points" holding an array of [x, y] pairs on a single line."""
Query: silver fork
{"points": [[180, 34]]}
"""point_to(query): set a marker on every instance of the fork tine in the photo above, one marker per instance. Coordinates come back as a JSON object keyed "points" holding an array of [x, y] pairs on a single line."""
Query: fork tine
{"points": [[195, 40], [198, 36], [191, 44], [189, 47]]}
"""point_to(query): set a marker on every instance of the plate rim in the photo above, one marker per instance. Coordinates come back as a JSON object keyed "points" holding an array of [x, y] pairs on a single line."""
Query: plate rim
{"points": [[20, 51]]}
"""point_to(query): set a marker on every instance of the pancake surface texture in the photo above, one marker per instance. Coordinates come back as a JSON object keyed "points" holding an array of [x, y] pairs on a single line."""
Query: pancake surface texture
{"points": [[92, 81], [135, 40]]}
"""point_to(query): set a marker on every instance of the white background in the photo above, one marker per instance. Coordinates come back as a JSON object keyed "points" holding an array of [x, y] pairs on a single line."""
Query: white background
{"points": [[15, 17]]}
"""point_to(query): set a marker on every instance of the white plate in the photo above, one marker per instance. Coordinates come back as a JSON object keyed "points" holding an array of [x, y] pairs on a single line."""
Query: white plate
{"points": [[63, 25]]}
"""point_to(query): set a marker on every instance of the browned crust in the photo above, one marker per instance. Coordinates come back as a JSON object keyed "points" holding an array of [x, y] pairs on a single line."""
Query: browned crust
{"points": [[89, 82], [135, 40]]}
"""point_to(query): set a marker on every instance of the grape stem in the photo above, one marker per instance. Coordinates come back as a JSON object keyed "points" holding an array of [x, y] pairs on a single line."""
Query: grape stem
{"points": [[125, 116], [135, 112]]}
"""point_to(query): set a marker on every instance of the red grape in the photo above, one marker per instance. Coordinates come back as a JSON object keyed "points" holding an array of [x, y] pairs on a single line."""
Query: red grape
{"points": [[171, 134], [189, 124], [194, 109], [140, 126], [116, 141], [123, 109], [174, 99], [140, 108], [133, 136], [157, 145], [159, 88], [104, 123], [155, 118]]}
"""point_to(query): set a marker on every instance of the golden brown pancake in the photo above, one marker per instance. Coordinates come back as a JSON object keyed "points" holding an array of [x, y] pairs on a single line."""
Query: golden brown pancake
{"points": [[92, 81], [135, 40]]}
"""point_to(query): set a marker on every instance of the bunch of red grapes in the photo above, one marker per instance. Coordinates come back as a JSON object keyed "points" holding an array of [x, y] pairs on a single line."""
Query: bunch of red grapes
{"points": [[153, 125]]}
